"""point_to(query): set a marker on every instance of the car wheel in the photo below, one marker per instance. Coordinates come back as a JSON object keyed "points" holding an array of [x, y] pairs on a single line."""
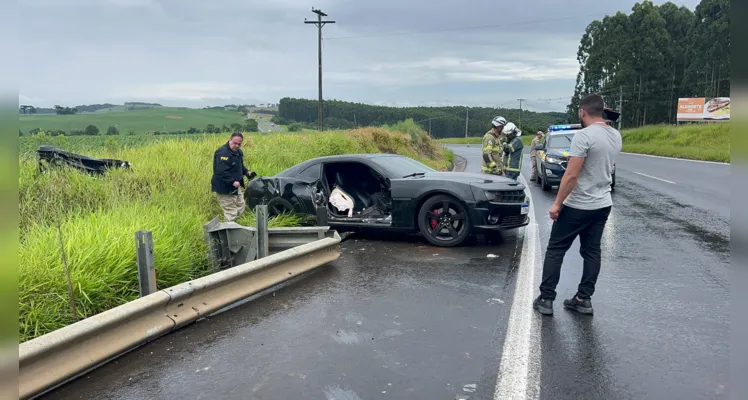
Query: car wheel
{"points": [[278, 206], [543, 183], [444, 221]]}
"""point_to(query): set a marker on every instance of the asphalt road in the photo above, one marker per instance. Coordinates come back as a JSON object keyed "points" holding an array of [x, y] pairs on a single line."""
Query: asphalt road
{"points": [[263, 125], [395, 318]]}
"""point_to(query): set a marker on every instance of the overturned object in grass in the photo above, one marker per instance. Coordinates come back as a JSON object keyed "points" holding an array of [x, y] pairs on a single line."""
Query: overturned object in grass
{"points": [[57, 157]]}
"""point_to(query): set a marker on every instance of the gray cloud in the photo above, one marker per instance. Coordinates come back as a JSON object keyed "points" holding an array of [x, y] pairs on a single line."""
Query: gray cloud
{"points": [[198, 52]]}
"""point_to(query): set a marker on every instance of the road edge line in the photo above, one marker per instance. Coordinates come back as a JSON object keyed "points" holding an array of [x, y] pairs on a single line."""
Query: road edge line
{"points": [[517, 356]]}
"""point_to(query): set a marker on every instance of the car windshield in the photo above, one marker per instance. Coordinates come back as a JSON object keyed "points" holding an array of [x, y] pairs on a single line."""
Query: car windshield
{"points": [[399, 166], [560, 141]]}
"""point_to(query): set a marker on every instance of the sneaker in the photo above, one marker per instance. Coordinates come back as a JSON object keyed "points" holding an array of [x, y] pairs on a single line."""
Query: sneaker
{"points": [[543, 306], [583, 307]]}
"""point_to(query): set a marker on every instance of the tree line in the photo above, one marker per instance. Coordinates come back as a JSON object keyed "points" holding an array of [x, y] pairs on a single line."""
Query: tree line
{"points": [[441, 122], [644, 61]]}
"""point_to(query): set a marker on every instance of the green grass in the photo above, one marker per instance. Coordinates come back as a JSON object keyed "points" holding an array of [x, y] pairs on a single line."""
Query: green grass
{"points": [[163, 119], [166, 192], [709, 142]]}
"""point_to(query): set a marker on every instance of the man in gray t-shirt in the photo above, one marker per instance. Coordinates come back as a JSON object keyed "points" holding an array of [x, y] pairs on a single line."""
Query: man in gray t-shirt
{"points": [[582, 206]]}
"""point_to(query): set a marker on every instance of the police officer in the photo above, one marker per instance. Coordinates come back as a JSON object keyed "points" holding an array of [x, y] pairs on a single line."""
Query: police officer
{"points": [[492, 147], [512, 151], [228, 177], [535, 141]]}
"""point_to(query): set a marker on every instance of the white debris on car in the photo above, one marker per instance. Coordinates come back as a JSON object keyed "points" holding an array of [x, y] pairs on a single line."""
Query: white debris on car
{"points": [[342, 201]]}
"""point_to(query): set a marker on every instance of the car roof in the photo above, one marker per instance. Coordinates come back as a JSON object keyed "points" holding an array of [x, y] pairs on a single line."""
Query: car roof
{"points": [[341, 157]]}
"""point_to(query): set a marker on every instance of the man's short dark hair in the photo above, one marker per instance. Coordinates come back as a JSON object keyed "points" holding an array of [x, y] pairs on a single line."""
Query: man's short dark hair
{"points": [[593, 104], [235, 134]]}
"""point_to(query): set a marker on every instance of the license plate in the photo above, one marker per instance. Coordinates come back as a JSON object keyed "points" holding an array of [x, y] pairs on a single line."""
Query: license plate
{"points": [[525, 209]]}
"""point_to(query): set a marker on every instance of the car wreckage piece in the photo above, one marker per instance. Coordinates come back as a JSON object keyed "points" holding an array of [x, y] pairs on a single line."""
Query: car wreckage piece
{"points": [[58, 157], [231, 244]]}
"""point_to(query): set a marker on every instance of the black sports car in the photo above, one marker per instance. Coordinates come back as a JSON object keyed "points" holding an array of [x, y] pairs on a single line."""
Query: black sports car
{"points": [[392, 192]]}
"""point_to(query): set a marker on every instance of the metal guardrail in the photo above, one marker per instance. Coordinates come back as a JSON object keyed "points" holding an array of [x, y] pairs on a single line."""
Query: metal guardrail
{"points": [[232, 244], [62, 355]]}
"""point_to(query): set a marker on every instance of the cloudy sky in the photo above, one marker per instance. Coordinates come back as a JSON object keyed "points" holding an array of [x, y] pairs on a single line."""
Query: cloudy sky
{"points": [[394, 52]]}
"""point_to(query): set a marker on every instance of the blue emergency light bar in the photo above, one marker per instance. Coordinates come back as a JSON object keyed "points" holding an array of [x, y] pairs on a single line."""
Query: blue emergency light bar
{"points": [[567, 127]]}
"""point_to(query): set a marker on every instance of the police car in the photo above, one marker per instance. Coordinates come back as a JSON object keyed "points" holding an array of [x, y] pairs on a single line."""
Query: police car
{"points": [[552, 155]]}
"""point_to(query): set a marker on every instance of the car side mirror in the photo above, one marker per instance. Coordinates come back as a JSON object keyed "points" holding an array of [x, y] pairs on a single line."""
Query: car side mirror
{"points": [[540, 147]]}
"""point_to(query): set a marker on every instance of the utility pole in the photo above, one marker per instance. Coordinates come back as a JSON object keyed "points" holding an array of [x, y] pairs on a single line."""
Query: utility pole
{"points": [[319, 23], [620, 106], [520, 113], [467, 118]]}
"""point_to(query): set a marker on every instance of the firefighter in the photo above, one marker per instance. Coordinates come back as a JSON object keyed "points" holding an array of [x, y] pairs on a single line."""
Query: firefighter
{"points": [[512, 151], [492, 148]]}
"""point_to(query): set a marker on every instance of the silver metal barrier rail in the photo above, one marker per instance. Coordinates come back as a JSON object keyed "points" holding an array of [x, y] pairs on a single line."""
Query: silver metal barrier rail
{"points": [[60, 356]]}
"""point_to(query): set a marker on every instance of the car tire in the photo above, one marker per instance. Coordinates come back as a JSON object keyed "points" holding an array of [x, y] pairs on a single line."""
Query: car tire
{"points": [[546, 187], [433, 225], [278, 205]]}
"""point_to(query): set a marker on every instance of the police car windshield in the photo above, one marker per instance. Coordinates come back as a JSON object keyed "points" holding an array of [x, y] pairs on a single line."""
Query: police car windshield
{"points": [[560, 140], [400, 166]]}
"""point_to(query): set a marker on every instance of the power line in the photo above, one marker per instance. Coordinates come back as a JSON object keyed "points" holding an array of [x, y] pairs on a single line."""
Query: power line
{"points": [[467, 27]]}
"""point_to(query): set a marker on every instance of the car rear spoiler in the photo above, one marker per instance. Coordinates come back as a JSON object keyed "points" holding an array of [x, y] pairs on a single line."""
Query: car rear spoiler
{"points": [[58, 157]]}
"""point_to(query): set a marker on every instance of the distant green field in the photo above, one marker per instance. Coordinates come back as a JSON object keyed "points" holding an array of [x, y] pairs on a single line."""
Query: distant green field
{"points": [[163, 119]]}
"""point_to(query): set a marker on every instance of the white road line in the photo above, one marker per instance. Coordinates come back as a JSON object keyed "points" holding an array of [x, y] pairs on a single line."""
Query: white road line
{"points": [[676, 158], [519, 369], [654, 177]]}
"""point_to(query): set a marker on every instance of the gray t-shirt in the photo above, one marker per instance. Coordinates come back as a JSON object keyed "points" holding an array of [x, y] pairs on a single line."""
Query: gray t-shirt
{"points": [[599, 144]]}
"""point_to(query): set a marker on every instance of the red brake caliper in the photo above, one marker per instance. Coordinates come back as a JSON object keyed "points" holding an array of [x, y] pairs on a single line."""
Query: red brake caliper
{"points": [[434, 221]]}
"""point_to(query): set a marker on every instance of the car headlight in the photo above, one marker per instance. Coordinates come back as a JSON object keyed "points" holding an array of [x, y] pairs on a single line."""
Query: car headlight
{"points": [[490, 196], [553, 160]]}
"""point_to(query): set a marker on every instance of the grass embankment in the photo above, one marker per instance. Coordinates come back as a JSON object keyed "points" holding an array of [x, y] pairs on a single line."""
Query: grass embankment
{"points": [[710, 142], [165, 119], [166, 192]]}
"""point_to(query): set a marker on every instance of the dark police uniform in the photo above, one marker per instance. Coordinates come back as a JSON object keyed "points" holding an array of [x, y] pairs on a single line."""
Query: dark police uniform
{"points": [[228, 167]]}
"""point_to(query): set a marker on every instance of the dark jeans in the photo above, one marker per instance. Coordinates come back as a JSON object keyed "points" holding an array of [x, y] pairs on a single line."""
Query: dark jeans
{"points": [[512, 175], [589, 225]]}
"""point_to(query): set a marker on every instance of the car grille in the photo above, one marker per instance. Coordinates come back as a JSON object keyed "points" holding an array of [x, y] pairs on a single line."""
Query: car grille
{"points": [[512, 220], [564, 164], [511, 196]]}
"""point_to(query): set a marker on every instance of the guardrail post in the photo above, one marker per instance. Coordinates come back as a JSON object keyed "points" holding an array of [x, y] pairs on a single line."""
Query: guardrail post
{"points": [[146, 264], [263, 245]]}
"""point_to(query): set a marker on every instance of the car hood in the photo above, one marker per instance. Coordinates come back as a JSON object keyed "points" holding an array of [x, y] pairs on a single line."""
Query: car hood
{"points": [[465, 177], [559, 152]]}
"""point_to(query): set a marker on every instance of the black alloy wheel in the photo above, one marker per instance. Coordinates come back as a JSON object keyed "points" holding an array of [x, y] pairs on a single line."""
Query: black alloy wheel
{"points": [[278, 206], [444, 221]]}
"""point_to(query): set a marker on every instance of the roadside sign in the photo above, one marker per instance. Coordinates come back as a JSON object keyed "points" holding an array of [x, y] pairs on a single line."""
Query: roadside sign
{"points": [[703, 109]]}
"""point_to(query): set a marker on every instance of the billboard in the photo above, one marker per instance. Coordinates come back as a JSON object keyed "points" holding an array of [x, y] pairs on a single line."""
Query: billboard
{"points": [[703, 108]]}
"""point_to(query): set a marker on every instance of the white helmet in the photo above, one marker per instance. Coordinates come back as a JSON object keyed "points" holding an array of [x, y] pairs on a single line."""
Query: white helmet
{"points": [[510, 128], [499, 121]]}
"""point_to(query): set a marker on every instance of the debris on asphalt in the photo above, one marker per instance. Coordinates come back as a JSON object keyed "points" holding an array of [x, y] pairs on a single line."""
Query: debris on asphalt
{"points": [[470, 388], [492, 256]]}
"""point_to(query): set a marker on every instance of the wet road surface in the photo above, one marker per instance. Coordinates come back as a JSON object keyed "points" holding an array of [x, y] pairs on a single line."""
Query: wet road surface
{"points": [[662, 321], [395, 318]]}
